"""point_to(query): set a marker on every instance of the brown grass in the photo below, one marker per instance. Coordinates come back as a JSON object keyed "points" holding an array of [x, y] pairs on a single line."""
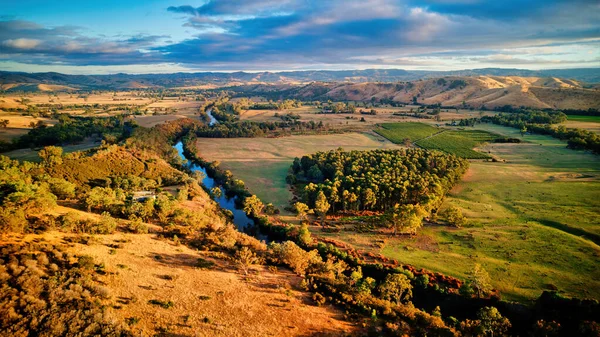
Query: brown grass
{"points": [[216, 302]]}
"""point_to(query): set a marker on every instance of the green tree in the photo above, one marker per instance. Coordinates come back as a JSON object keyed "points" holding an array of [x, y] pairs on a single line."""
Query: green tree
{"points": [[492, 322], [406, 218], [253, 205], [304, 236], [301, 210], [480, 281], [51, 155], [321, 206], [455, 217], [396, 288]]}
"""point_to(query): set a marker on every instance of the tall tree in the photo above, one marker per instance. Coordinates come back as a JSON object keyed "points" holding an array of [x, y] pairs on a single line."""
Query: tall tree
{"points": [[321, 206]]}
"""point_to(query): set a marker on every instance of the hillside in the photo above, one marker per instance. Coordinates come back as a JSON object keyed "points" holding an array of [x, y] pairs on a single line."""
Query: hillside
{"points": [[488, 91], [28, 82]]}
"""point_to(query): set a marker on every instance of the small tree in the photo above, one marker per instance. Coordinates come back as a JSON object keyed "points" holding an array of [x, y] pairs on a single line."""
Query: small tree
{"points": [[455, 217], [321, 206], [51, 155], [304, 236], [480, 281], [406, 218], [246, 258], [4, 123], [492, 322], [396, 288], [301, 210], [253, 205]]}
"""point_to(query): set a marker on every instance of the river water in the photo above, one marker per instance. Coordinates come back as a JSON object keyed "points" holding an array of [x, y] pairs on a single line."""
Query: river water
{"points": [[240, 219]]}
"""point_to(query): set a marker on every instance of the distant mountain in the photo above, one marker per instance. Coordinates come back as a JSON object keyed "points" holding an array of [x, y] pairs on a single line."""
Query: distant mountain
{"points": [[13, 81]]}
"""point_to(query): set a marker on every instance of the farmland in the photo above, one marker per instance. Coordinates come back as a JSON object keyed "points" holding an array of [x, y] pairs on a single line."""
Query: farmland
{"points": [[398, 132], [532, 221], [457, 142], [460, 143], [263, 163]]}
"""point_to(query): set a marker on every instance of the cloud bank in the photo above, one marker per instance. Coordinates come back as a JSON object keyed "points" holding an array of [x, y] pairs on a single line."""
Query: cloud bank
{"points": [[332, 34]]}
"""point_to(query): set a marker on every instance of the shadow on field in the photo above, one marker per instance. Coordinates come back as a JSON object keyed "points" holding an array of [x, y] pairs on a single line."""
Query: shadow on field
{"points": [[595, 238]]}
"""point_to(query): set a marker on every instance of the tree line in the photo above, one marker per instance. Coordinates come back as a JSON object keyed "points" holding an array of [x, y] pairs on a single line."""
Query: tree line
{"points": [[540, 122]]}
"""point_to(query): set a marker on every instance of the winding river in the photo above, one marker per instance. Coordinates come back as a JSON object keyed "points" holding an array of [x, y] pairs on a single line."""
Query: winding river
{"points": [[240, 219]]}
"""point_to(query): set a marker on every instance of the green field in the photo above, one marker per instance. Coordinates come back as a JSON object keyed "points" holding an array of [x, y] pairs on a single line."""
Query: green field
{"points": [[577, 118], [457, 142], [533, 221], [398, 132]]}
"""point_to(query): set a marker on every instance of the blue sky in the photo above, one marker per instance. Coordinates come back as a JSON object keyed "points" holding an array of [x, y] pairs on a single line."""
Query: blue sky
{"points": [[155, 36]]}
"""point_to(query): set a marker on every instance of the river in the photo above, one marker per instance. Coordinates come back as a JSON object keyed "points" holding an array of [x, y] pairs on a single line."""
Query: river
{"points": [[213, 120], [240, 219]]}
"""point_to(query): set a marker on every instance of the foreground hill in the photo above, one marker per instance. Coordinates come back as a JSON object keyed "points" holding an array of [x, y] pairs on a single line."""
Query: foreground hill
{"points": [[488, 91]]}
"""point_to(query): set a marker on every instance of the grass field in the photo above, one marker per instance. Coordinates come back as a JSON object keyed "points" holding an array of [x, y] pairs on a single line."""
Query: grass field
{"points": [[457, 142], [532, 221], [594, 119], [398, 132], [263, 162]]}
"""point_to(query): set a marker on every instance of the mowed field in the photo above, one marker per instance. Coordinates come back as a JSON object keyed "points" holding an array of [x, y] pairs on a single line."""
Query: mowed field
{"points": [[533, 222], [263, 163]]}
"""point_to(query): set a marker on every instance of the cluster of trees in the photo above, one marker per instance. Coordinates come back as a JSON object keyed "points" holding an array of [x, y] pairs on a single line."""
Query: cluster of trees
{"points": [[407, 183], [339, 108], [71, 129], [540, 122], [259, 129], [279, 105]]}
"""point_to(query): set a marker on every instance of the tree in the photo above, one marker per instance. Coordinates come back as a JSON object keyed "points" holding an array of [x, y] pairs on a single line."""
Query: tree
{"points": [[253, 205], [492, 322], [321, 206], [301, 210], [245, 258], [396, 288], [480, 281], [62, 188], [304, 236], [4, 123], [523, 130], [51, 155], [455, 217], [406, 218]]}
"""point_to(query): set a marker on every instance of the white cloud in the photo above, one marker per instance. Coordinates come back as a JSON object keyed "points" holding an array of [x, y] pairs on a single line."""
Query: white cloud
{"points": [[24, 44]]}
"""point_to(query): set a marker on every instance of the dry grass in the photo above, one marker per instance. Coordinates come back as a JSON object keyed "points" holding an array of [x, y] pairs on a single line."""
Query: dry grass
{"points": [[218, 301]]}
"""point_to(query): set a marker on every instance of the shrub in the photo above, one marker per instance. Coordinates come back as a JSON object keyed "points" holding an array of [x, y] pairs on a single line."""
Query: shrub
{"points": [[295, 257], [162, 304]]}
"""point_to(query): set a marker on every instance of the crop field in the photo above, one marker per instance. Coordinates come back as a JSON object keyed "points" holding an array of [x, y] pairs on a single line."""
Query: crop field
{"points": [[456, 143], [398, 132], [263, 163]]}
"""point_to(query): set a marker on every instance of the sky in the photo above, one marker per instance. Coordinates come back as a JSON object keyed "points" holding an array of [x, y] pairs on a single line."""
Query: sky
{"points": [[164, 36]]}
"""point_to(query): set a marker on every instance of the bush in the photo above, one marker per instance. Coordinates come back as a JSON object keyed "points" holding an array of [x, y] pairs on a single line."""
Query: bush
{"points": [[298, 259]]}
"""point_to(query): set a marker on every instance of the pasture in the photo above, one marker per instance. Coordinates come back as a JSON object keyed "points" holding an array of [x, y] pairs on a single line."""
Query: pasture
{"points": [[458, 142], [532, 221]]}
